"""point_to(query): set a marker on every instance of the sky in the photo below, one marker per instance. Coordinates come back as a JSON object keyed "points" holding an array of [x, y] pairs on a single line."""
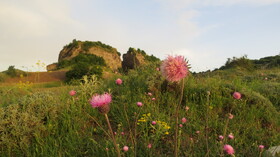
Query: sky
{"points": [[205, 32]]}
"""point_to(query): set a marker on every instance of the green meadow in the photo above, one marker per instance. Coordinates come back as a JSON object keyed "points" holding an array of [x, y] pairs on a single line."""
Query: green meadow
{"points": [[42, 119]]}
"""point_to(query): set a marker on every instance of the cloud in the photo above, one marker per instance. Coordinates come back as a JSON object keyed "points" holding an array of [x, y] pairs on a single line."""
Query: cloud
{"points": [[33, 18], [34, 29], [182, 4]]}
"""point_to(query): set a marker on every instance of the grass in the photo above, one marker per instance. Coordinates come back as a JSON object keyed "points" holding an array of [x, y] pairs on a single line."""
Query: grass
{"points": [[44, 120]]}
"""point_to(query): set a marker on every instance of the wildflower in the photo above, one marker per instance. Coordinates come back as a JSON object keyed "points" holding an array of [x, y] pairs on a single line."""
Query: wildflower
{"points": [[153, 99], [221, 137], [174, 68], [118, 81], [107, 149], [230, 116], [166, 133], [180, 125], [139, 104], [158, 69], [149, 146], [101, 102], [122, 133], [228, 149], [184, 120], [150, 94], [230, 136], [236, 95], [154, 122], [187, 108], [72, 92], [125, 148], [261, 147], [115, 133]]}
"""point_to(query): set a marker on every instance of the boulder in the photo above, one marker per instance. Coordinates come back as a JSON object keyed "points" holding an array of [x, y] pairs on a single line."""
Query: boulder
{"points": [[52, 67], [135, 58]]}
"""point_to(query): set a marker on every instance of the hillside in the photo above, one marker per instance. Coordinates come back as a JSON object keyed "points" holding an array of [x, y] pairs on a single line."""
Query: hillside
{"points": [[76, 47], [54, 119]]}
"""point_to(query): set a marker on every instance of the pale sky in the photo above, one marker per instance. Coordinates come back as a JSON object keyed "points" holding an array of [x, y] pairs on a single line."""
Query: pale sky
{"points": [[206, 32]]}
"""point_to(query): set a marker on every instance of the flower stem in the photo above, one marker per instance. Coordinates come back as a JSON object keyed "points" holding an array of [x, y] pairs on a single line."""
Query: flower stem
{"points": [[113, 136], [206, 128], [177, 119]]}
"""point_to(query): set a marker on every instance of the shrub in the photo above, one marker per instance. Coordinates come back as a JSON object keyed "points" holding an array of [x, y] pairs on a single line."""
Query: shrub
{"points": [[242, 62], [82, 58], [11, 71], [2, 77], [81, 69]]}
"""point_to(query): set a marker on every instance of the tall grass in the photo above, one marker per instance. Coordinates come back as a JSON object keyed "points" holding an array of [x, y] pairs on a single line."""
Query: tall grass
{"points": [[50, 122]]}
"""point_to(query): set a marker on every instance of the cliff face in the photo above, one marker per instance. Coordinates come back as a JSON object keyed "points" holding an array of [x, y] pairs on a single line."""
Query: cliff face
{"points": [[109, 54]]}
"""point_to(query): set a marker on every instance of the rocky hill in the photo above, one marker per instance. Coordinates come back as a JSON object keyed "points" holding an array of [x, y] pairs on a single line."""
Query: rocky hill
{"points": [[73, 49]]}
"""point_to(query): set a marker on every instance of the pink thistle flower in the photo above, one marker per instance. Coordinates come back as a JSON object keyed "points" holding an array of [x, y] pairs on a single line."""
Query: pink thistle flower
{"points": [[230, 136], [261, 147], [157, 69], [230, 116], [139, 104], [221, 137], [154, 122], [180, 125], [101, 102], [236, 95], [72, 92], [184, 120], [228, 149], [150, 94], [122, 133], [153, 99], [115, 133], [118, 81], [149, 146], [125, 148], [174, 68]]}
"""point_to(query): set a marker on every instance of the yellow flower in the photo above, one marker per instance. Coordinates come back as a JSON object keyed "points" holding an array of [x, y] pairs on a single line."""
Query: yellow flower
{"points": [[166, 133]]}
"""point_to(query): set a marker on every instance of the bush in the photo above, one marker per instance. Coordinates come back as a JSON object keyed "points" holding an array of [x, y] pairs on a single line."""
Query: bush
{"points": [[82, 58], [2, 77], [242, 62], [81, 69], [11, 71]]}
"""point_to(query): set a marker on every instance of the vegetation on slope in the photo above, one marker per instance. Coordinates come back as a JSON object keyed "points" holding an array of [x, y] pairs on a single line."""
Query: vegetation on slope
{"points": [[86, 45], [53, 123]]}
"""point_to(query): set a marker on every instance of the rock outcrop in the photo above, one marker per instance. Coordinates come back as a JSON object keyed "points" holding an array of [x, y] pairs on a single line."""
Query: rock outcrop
{"points": [[109, 54], [134, 58], [52, 67]]}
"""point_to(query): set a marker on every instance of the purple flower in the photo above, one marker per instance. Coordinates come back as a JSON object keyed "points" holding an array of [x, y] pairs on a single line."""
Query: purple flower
{"points": [[101, 102], [118, 81], [174, 68]]}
